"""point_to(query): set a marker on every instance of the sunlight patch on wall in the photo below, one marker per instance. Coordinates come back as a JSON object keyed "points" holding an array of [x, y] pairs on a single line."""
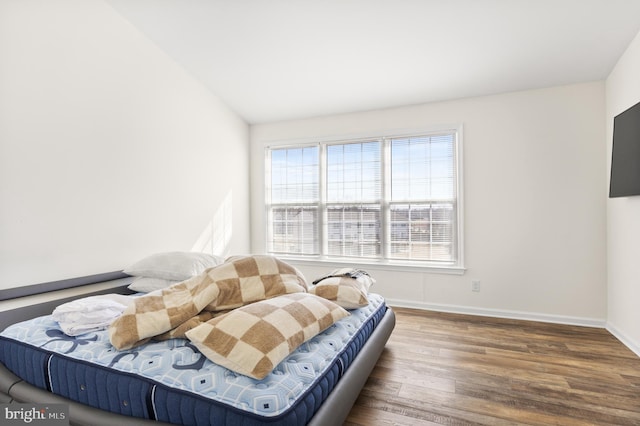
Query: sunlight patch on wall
{"points": [[216, 236]]}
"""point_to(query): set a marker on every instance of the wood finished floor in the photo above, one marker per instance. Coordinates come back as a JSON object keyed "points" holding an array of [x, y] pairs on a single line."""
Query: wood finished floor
{"points": [[450, 369]]}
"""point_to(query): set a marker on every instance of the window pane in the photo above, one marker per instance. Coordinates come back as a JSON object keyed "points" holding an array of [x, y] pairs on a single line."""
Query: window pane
{"points": [[353, 172], [295, 175], [294, 230], [423, 168], [422, 232], [353, 230]]}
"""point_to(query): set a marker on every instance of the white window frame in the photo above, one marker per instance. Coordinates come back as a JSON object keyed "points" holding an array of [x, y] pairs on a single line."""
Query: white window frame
{"points": [[457, 267]]}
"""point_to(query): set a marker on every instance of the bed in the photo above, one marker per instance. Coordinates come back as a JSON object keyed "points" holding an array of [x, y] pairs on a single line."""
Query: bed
{"points": [[317, 383]]}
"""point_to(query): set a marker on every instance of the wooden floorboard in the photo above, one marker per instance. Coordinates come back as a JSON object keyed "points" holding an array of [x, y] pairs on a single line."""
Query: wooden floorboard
{"points": [[452, 369]]}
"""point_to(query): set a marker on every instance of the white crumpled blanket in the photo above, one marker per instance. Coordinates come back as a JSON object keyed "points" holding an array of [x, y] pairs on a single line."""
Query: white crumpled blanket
{"points": [[91, 313]]}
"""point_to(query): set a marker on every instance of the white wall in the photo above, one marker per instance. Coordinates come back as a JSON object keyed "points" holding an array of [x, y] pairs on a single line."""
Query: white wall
{"points": [[534, 206], [623, 214], [109, 150]]}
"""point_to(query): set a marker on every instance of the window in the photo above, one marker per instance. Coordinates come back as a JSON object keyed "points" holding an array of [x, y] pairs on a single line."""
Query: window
{"points": [[386, 199]]}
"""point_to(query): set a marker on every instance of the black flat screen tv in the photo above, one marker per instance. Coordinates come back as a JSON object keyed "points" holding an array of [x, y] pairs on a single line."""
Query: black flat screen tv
{"points": [[625, 157]]}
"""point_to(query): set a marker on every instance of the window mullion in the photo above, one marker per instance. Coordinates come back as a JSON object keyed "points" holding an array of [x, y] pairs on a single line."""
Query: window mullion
{"points": [[385, 215], [322, 231]]}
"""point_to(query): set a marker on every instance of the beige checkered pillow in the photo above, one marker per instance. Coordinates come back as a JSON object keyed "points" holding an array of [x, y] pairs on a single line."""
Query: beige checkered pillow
{"points": [[247, 279], [237, 282], [347, 287], [254, 339]]}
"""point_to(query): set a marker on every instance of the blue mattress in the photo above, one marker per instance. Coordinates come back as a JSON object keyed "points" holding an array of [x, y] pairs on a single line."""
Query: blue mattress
{"points": [[173, 382]]}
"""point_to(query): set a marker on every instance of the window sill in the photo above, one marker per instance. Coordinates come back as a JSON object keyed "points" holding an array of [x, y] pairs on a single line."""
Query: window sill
{"points": [[382, 265]]}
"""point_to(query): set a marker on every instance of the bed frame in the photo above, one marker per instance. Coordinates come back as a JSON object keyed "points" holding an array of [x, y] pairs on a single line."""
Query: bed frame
{"points": [[334, 410]]}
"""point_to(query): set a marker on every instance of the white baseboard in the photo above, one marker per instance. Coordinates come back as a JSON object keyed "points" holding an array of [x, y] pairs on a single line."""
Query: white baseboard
{"points": [[528, 316], [627, 341]]}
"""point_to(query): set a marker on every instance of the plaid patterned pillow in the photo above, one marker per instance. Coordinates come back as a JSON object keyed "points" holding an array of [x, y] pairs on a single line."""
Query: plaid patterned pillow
{"points": [[254, 339], [347, 287]]}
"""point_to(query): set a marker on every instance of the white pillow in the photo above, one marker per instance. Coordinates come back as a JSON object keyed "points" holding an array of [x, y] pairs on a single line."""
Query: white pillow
{"points": [[174, 266], [149, 284]]}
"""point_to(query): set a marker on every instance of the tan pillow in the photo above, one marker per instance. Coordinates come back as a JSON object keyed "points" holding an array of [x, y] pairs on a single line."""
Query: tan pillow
{"points": [[235, 283], [347, 287], [247, 279], [254, 339]]}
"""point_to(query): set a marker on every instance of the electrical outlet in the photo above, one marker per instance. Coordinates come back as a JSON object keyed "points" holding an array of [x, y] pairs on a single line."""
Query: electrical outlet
{"points": [[475, 285]]}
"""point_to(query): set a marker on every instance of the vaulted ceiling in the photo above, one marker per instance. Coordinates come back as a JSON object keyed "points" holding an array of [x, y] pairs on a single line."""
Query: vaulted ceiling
{"points": [[273, 60]]}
